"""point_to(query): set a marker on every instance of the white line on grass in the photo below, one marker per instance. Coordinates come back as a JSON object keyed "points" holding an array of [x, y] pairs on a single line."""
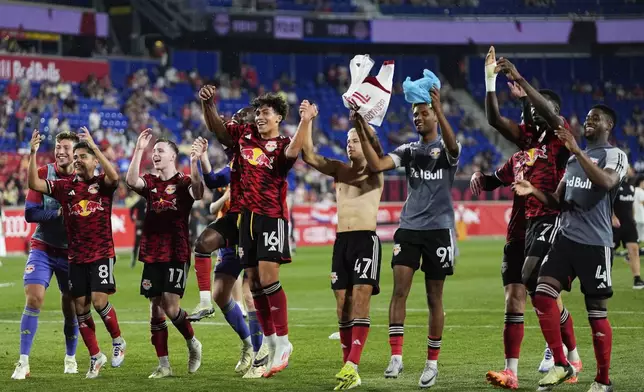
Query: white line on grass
{"points": [[138, 322]]}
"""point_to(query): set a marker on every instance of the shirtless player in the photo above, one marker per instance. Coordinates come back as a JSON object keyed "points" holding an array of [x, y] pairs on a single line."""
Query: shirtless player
{"points": [[356, 252]]}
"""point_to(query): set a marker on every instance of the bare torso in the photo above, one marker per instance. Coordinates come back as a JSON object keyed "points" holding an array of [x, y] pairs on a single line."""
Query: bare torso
{"points": [[358, 197]]}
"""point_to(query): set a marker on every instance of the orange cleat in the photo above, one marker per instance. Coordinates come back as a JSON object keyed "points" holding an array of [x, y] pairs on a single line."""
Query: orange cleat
{"points": [[505, 379], [578, 366]]}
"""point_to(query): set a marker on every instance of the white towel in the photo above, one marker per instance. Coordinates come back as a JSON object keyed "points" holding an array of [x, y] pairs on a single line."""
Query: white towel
{"points": [[369, 95]]}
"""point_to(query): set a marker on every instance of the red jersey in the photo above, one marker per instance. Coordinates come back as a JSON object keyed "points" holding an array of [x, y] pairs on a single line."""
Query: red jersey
{"points": [[87, 212], [166, 235], [544, 164], [264, 167], [235, 182], [510, 172]]}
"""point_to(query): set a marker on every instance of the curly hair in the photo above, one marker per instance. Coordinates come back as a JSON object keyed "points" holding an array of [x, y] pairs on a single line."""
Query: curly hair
{"points": [[274, 101]]}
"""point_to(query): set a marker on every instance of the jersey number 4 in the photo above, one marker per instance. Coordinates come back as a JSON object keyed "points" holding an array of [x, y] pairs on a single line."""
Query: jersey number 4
{"points": [[357, 268]]}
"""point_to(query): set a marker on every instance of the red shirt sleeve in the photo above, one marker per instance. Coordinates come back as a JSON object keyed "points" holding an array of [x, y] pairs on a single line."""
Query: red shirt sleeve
{"points": [[34, 196], [109, 188], [286, 163], [505, 173], [57, 189], [236, 131]]}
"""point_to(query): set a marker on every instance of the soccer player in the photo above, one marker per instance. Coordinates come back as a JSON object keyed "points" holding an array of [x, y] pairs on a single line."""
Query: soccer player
{"points": [[583, 248], [137, 213], [513, 255], [252, 361], [222, 233], [265, 159], [165, 243], [86, 200], [625, 230], [544, 164], [355, 269], [426, 224], [48, 256]]}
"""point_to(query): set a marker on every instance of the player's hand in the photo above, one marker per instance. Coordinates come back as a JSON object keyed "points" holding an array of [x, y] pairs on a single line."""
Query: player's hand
{"points": [[36, 138], [144, 139], [85, 136], [516, 91], [476, 183], [504, 65], [200, 145], [490, 58], [207, 92], [435, 94], [308, 111], [568, 139], [522, 188], [616, 223]]}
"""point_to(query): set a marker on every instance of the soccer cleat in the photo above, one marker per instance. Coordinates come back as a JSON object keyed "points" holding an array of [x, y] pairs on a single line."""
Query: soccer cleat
{"points": [[428, 377], [201, 312], [637, 285], [21, 372], [280, 359], [597, 387], [256, 371], [505, 379], [547, 362], [194, 355], [95, 365], [161, 372], [348, 377], [71, 367], [245, 359], [395, 367], [262, 355], [578, 366], [555, 376], [118, 353]]}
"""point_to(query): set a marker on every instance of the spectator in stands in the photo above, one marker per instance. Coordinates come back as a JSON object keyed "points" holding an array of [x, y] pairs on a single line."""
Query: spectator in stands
{"points": [[94, 120]]}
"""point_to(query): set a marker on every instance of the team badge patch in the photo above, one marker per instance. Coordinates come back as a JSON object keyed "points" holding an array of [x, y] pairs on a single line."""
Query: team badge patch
{"points": [[146, 284], [93, 189], [334, 277], [434, 153], [29, 269], [271, 146], [170, 189], [396, 249]]}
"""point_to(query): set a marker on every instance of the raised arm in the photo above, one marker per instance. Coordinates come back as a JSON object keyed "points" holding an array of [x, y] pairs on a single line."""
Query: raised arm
{"points": [[607, 177], [35, 182], [111, 175], [308, 112], [552, 200], [506, 127], [216, 206], [318, 162], [214, 122], [372, 136], [133, 177], [196, 183], [449, 138], [375, 162], [540, 103]]}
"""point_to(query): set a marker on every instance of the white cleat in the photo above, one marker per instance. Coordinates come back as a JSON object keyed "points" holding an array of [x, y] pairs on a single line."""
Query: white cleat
{"points": [[255, 371], [597, 387], [548, 361], [71, 367], [161, 372], [118, 352], [429, 376], [95, 365], [262, 354], [280, 359], [245, 359], [395, 367], [194, 355], [21, 372]]}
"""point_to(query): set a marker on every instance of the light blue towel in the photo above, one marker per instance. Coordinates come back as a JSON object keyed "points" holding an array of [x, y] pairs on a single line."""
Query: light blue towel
{"points": [[418, 90]]}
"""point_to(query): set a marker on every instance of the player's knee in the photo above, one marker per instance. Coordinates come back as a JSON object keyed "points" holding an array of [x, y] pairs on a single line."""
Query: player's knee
{"points": [[595, 304], [99, 301], [528, 270], [515, 302], [208, 242], [35, 300]]}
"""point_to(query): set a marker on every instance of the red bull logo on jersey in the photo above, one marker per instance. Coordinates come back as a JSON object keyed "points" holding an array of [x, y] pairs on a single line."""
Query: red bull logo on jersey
{"points": [[170, 189], [271, 146], [257, 157], [530, 156], [164, 205], [93, 189], [86, 207]]}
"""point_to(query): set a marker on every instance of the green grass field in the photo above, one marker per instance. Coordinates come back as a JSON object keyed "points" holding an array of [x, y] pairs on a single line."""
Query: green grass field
{"points": [[472, 342]]}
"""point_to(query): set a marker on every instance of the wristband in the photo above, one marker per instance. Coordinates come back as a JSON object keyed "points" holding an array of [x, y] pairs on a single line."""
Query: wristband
{"points": [[490, 78]]}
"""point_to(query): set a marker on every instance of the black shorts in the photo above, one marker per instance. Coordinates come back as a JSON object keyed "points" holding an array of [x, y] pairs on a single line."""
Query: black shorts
{"points": [[625, 234], [262, 238], [356, 260], [513, 259], [435, 247], [159, 278], [540, 235], [94, 277], [591, 264], [227, 227]]}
